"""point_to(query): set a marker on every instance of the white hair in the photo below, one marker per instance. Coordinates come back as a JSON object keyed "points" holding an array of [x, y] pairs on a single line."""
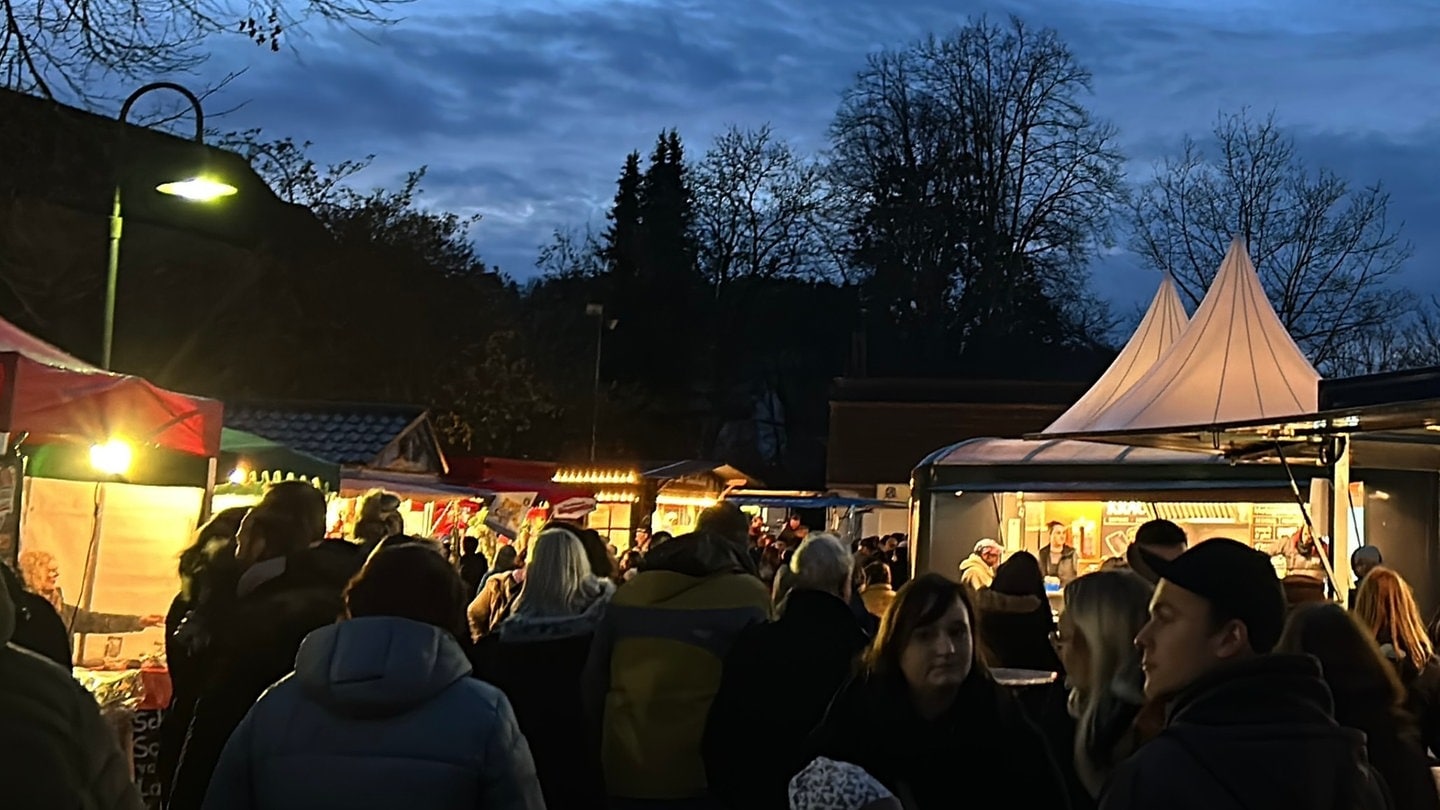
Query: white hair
{"points": [[557, 576], [822, 563]]}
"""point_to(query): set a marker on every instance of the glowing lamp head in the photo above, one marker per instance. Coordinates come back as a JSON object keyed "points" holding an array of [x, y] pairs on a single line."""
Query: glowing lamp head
{"points": [[197, 189], [238, 476], [111, 458]]}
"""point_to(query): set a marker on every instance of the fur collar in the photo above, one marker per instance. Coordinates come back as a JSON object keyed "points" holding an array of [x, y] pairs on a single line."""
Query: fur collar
{"points": [[519, 627]]}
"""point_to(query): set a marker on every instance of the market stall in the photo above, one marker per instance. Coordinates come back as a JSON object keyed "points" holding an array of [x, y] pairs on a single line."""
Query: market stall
{"points": [[101, 545], [250, 463], [1232, 361]]}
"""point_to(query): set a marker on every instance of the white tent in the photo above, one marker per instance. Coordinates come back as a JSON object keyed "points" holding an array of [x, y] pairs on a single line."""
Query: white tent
{"points": [[1235, 362], [1162, 325]]}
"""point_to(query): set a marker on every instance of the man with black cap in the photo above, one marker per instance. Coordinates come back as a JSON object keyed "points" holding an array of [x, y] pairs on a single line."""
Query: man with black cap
{"points": [[1245, 729]]}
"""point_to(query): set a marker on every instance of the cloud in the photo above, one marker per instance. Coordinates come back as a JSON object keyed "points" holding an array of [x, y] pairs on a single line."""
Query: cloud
{"points": [[524, 110]]}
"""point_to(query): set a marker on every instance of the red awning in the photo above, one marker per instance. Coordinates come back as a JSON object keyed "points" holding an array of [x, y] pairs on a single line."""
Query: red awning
{"points": [[56, 397]]}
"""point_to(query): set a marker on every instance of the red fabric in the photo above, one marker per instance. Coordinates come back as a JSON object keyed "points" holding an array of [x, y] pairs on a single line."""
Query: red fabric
{"points": [[158, 689], [56, 397]]}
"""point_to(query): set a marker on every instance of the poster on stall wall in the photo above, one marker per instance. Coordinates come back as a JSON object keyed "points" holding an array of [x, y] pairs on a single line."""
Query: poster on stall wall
{"points": [[573, 508], [508, 511], [143, 529]]}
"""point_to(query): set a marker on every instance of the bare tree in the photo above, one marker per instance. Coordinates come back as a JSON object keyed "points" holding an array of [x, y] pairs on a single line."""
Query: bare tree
{"points": [[59, 48], [571, 253], [760, 209], [1327, 254], [291, 173], [981, 182], [1408, 339]]}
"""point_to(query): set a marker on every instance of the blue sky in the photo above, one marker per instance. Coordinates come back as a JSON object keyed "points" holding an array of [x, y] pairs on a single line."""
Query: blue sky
{"points": [[524, 109]]}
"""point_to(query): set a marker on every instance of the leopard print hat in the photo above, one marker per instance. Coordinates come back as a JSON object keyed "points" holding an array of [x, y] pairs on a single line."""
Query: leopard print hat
{"points": [[829, 785]]}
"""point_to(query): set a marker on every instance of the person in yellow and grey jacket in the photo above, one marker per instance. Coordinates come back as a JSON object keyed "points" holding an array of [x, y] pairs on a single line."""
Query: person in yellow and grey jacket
{"points": [[58, 750], [656, 663]]}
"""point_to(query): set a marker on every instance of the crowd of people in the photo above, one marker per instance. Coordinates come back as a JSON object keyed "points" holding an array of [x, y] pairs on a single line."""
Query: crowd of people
{"points": [[676, 676]]}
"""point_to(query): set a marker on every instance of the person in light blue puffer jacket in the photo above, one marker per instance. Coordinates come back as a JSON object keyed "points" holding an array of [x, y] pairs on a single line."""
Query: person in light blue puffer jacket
{"points": [[380, 711]]}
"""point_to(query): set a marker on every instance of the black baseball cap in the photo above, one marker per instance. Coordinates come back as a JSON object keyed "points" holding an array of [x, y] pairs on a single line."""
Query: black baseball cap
{"points": [[1238, 582]]}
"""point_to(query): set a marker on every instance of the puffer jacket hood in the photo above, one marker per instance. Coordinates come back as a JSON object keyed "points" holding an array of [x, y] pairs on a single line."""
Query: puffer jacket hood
{"points": [[378, 666], [698, 555], [520, 627]]}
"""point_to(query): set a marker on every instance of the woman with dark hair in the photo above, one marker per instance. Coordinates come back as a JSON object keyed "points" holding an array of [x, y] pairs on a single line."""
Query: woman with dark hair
{"points": [[381, 711], [1368, 698], [925, 718], [208, 573], [1016, 640]]}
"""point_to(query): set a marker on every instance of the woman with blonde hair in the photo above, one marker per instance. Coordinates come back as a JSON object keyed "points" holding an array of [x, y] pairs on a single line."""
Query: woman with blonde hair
{"points": [[537, 654], [1385, 606], [1104, 611]]}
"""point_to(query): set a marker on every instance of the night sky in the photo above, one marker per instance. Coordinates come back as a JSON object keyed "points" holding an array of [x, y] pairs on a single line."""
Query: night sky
{"points": [[525, 109]]}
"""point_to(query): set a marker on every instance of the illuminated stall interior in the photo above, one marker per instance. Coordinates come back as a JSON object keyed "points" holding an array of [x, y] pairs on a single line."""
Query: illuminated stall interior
{"points": [[669, 498], [1011, 490]]}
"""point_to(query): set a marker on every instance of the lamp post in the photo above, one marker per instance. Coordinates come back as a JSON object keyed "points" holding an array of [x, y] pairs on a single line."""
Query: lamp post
{"points": [[596, 311], [195, 189]]}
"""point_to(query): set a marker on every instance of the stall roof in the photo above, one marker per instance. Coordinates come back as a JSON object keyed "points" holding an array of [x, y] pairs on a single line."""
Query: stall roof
{"points": [[809, 500], [267, 455], [346, 433], [685, 469], [991, 452], [1235, 363], [417, 486], [54, 396], [1162, 325]]}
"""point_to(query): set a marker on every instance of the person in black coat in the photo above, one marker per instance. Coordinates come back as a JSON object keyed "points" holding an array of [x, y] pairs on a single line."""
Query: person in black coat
{"points": [[293, 583], [208, 571], [809, 652], [925, 718], [1020, 640], [473, 565], [1368, 698]]}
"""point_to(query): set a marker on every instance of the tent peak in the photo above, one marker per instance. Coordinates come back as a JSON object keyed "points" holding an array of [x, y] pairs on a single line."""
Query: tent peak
{"points": [[1236, 362], [1161, 326]]}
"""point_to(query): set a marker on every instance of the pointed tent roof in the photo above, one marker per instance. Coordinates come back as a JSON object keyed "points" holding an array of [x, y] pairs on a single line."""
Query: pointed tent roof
{"points": [[1162, 325], [1235, 363]]}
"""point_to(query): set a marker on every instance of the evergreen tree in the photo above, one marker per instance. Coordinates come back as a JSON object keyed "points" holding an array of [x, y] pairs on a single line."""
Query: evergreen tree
{"points": [[622, 239], [668, 215]]}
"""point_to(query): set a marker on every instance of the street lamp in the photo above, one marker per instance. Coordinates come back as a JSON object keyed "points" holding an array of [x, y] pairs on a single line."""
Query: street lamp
{"points": [[597, 311], [195, 189]]}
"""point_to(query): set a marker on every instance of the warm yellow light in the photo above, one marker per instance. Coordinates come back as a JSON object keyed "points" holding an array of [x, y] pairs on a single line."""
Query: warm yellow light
{"points": [[238, 476], [197, 189], [616, 497], [611, 477], [111, 458]]}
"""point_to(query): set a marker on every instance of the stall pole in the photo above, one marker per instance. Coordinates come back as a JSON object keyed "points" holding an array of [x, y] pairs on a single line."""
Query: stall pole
{"points": [[207, 498], [92, 554], [1340, 519]]}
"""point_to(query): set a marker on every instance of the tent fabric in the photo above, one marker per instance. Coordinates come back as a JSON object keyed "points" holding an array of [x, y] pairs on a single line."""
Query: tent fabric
{"points": [[54, 396], [1236, 362], [266, 455], [1162, 325], [989, 452]]}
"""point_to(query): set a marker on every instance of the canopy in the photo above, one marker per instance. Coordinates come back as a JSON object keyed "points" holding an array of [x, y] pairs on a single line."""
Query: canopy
{"points": [[260, 455], [1236, 362], [56, 397], [1162, 325], [780, 500]]}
